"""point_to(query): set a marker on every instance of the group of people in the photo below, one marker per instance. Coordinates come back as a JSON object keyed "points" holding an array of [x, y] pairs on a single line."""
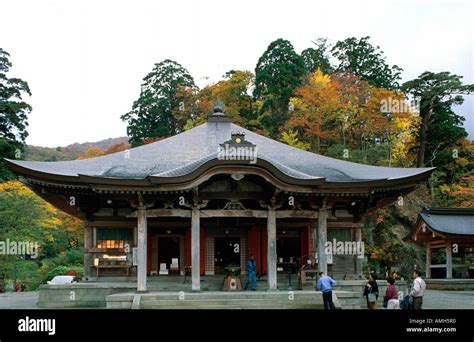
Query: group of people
{"points": [[391, 299]]}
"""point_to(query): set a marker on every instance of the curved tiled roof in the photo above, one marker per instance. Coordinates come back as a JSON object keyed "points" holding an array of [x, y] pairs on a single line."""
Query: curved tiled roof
{"points": [[454, 221], [184, 153]]}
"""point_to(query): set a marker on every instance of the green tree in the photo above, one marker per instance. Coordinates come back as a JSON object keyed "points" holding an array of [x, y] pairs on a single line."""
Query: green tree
{"points": [[13, 114], [291, 138], [360, 57], [278, 72], [317, 58], [164, 104], [440, 126], [233, 92], [25, 217]]}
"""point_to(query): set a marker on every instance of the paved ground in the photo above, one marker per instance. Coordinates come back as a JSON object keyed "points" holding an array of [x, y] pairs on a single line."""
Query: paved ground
{"points": [[18, 300], [433, 300], [448, 300]]}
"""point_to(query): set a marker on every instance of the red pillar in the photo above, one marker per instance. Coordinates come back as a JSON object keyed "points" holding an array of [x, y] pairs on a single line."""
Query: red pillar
{"points": [[202, 246], [188, 247], [263, 248], [254, 243], [305, 241], [148, 252]]}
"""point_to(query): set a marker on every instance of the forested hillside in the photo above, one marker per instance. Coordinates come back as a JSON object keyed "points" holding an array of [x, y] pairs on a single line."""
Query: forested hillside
{"points": [[340, 99]]}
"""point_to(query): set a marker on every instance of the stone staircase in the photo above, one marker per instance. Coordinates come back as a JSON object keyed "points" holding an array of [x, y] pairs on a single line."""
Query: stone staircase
{"points": [[228, 300]]}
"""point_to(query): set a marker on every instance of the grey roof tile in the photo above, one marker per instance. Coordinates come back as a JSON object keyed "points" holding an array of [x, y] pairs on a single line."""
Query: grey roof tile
{"points": [[456, 221], [184, 152]]}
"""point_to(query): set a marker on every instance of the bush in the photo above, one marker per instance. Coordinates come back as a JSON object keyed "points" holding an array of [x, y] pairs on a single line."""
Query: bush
{"points": [[70, 257], [64, 270]]}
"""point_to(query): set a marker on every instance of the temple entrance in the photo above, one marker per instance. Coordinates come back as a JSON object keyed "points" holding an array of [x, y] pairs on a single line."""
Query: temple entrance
{"points": [[227, 252], [168, 255], [288, 249]]}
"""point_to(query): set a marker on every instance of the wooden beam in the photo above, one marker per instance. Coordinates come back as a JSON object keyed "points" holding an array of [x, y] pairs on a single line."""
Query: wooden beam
{"points": [[343, 225], [233, 213], [228, 213], [259, 213], [296, 214], [165, 213]]}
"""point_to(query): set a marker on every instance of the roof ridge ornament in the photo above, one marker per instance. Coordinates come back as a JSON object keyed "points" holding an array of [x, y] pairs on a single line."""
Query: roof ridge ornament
{"points": [[218, 114], [237, 139]]}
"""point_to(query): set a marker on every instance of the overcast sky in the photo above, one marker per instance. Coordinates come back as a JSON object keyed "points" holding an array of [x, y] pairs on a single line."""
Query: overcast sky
{"points": [[85, 60]]}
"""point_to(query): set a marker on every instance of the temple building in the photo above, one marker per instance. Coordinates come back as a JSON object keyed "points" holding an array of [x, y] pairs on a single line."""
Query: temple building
{"points": [[448, 235], [205, 199]]}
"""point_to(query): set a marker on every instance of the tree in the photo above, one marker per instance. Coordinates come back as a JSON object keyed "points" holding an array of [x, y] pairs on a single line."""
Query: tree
{"points": [[291, 138], [13, 114], [118, 147], [353, 93], [436, 94], [92, 152], [233, 92], [316, 105], [164, 105], [317, 58], [279, 71], [360, 57], [25, 217]]}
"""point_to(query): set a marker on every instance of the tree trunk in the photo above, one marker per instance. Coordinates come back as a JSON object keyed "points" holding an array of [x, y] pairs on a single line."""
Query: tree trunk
{"points": [[424, 134]]}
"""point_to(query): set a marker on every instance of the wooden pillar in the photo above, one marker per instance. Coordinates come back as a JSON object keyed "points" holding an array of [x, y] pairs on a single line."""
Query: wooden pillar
{"points": [[314, 241], [141, 250], [428, 260], [358, 258], [195, 250], [322, 239], [87, 253], [271, 250], [449, 260]]}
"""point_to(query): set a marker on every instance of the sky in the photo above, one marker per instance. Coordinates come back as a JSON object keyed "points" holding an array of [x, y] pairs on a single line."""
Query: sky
{"points": [[85, 60]]}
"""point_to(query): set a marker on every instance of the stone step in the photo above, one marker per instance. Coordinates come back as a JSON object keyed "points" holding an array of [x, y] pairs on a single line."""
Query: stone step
{"points": [[238, 307], [230, 302], [220, 296]]}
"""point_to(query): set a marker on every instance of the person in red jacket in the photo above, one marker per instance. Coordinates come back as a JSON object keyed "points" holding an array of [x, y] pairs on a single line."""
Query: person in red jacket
{"points": [[391, 295]]}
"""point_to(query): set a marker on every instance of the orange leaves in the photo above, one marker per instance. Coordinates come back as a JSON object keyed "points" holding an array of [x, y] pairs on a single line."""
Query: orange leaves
{"points": [[316, 104], [328, 108], [233, 92], [122, 146], [92, 152]]}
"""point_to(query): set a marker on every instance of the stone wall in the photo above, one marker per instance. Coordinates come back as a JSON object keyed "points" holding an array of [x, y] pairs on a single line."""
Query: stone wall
{"points": [[81, 295]]}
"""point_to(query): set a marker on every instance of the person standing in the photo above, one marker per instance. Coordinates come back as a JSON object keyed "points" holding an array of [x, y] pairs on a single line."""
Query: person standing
{"points": [[325, 284], [417, 290], [391, 295], [371, 291], [251, 268]]}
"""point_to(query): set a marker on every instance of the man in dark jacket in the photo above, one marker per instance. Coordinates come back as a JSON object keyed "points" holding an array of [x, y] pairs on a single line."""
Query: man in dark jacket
{"points": [[251, 268]]}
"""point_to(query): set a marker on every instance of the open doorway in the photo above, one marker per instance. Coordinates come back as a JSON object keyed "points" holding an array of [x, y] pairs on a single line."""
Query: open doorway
{"points": [[288, 249], [168, 251], [227, 252]]}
